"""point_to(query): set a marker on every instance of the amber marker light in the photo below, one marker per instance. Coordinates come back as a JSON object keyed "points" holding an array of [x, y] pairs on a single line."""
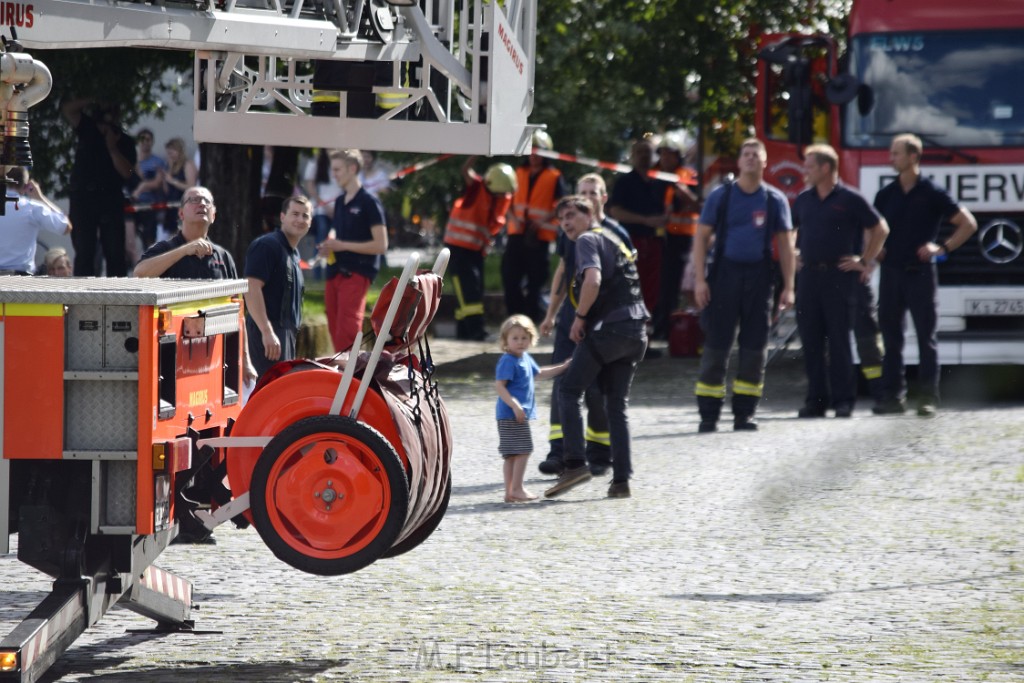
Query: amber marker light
{"points": [[8, 661], [159, 456], [164, 320]]}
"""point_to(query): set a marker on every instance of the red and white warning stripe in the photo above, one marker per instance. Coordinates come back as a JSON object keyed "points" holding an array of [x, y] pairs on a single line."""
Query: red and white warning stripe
{"points": [[686, 175], [153, 206], [418, 166], [43, 639], [166, 583]]}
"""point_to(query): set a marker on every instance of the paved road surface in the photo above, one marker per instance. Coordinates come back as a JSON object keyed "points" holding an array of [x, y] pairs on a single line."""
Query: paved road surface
{"points": [[869, 549]]}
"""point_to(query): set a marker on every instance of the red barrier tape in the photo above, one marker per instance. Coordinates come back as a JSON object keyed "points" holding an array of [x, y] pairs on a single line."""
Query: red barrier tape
{"points": [[155, 206], [687, 176]]}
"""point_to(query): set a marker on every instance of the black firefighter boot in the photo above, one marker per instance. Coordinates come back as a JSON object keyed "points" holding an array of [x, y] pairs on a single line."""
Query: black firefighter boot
{"points": [[743, 408], [710, 410]]}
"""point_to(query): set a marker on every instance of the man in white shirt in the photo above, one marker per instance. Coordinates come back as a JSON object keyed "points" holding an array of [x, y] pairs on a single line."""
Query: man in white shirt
{"points": [[27, 213]]}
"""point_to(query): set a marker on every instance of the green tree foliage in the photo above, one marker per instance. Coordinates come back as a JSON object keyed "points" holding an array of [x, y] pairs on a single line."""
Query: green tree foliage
{"points": [[130, 78], [611, 70]]}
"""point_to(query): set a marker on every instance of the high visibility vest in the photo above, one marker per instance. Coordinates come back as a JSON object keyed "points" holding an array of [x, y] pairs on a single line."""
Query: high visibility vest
{"points": [[476, 217], [682, 221], [536, 203]]}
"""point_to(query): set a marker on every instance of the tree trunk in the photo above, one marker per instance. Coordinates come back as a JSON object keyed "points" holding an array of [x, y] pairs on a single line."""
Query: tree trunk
{"points": [[281, 183], [233, 174]]}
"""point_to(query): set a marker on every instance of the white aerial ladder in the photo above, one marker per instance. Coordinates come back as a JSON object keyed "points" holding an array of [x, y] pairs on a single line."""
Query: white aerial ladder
{"points": [[437, 76]]}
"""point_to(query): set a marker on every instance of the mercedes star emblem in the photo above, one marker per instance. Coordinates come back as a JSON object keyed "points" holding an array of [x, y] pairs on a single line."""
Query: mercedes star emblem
{"points": [[1001, 240]]}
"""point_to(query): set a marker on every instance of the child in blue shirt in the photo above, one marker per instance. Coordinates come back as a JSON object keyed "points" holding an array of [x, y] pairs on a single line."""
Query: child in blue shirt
{"points": [[516, 404]]}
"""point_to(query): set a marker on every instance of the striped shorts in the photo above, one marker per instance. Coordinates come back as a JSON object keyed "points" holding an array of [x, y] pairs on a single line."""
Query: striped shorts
{"points": [[514, 438]]}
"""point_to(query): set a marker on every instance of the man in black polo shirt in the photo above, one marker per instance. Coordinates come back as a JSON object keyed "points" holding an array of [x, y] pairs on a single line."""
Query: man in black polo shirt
{"points": [[833, 223], [190, 254], [638, 202], [273, 304], [915, 208]]}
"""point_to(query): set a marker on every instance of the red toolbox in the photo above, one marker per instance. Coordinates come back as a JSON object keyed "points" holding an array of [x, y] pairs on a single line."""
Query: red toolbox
{"points": [[685, 337]]}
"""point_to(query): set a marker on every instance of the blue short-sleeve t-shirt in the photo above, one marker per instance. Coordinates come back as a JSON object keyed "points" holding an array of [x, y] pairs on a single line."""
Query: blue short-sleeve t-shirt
{"points": [[518, 372], [747, 218]]}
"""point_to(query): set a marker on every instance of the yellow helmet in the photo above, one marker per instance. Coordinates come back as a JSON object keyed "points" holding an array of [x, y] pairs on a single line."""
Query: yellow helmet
{"points": [[542, 140], [500, 178]]}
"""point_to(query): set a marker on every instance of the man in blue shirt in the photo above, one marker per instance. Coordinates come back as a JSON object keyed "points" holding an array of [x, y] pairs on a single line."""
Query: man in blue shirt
{"points": [[28, 212], [273, 304], [839, 237], [354, 249], [915, 208], [739, 288]]}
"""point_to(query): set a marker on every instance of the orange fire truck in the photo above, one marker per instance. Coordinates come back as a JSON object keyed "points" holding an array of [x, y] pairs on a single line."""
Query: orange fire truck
{"points": [[115, 388], [112, 389]]}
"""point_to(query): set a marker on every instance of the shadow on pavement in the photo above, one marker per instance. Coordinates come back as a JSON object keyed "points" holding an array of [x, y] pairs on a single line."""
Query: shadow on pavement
{"points": [[265, 672]]}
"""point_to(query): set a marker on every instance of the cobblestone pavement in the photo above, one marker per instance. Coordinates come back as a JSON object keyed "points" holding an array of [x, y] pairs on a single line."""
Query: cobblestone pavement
{"points": [[869, 549]]}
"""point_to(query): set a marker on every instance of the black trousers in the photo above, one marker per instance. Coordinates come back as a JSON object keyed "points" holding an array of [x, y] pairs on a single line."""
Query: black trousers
{"points": [[741, 299], [98, 217], [824, 315], [915, 289], [673, 263], [597, 435], [524, 272]]}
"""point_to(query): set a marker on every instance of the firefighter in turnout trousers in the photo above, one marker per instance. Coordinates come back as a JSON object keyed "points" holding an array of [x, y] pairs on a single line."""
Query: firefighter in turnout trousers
{"points": [[743, 217], [476, 218], [610, 331], [526, 261]]}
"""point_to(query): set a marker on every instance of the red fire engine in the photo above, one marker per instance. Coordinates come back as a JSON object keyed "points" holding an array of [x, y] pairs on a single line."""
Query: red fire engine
{"points": [[948, 72]]}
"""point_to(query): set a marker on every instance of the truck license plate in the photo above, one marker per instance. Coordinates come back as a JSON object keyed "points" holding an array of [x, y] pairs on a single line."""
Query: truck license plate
{"points": [[995, 307]]}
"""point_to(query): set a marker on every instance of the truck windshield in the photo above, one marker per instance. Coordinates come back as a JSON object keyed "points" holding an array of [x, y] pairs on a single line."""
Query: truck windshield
{"points": [[957, 88]]}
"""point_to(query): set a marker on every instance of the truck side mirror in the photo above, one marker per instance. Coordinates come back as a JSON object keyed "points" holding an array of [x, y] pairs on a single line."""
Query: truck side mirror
{"points": [[841, 88], [865, 99]]}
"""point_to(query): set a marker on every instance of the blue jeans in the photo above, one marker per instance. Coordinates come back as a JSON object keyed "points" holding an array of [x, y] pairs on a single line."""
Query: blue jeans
{"points": [[609, 356]]}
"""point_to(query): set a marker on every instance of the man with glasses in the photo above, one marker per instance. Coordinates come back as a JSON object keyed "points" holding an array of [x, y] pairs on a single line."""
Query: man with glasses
{"points": [[190, 254]]}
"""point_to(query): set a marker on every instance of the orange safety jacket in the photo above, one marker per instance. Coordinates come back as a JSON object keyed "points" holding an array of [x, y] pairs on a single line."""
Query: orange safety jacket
{"points": [[536, 203], [476, 218], [681, 221]]}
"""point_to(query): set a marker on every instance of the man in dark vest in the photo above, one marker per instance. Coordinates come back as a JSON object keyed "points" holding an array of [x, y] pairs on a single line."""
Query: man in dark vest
{"points": [[610, 331]]}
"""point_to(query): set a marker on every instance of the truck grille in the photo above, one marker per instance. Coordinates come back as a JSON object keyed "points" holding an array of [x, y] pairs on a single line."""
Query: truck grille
{"points": [[977, 262]]}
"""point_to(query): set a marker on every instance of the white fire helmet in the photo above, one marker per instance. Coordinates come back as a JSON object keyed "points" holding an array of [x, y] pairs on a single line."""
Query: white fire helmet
{"points": [[500, 178], [542, 140]]}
